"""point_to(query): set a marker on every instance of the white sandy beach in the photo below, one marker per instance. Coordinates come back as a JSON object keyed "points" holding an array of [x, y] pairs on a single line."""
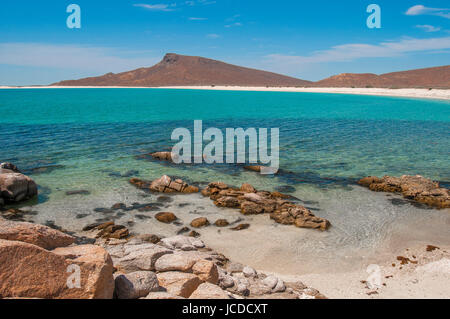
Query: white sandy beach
{"points": [[412, 93]]}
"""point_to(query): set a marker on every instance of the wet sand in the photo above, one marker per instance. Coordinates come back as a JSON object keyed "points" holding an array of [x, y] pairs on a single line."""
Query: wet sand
{"points": [[412, 93]]}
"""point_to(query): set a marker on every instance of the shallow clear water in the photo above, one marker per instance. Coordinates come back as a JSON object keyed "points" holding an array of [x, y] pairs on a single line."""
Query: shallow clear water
{"points": [[92, 139]]}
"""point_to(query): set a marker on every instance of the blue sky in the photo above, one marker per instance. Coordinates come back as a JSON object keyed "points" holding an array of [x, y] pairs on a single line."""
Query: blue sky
{"points": [[306, 39]]}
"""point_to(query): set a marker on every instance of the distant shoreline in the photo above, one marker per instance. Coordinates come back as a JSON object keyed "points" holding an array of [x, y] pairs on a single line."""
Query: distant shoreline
{"points": [[439, 94]]}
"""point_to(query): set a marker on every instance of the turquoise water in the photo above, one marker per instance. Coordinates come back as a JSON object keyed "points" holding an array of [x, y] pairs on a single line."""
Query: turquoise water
{"points": [[94, 139]]}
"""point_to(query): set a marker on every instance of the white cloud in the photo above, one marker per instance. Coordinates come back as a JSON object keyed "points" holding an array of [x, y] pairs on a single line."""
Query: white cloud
{"points": [[428, 28], [236, 24], [156, 7], [422, 10], [199, 2], [353, 51], [91, 59], [212, 36], [197, 19]]}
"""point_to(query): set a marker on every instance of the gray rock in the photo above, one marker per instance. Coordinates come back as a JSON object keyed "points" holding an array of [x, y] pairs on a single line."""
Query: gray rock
{"points": [[130, 258], [136, 285], [270, 281], [280, 287], [225, 280], [249, 272], [260, 289], [243, 290], [179, 242], [179, 261], [235, 267]]}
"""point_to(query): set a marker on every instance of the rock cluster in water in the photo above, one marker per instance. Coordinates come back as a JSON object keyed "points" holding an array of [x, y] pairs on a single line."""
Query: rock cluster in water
{"points": [[15, 186], [40, 262], [165, 184], [253, 202], [416, 188]]}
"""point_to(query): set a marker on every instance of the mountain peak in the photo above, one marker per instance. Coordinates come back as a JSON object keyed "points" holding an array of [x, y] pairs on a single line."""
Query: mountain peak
{"points": [[184, 70], [170, 58]]}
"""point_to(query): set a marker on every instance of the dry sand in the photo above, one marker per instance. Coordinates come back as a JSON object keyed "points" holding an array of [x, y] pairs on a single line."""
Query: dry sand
{"points": [[427, 277], [413, 93]]}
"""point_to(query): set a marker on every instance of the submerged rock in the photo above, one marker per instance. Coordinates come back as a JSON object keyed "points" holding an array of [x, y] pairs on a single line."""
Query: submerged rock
{"points": [[165, 184], [241, 227], [417, 188], [78, 192], [221, 223], [108, 230], [200, 222], [162, 156], [166, 217], [253, 202]]}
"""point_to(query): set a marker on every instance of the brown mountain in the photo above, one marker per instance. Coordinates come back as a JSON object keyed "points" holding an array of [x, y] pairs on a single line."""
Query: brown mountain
{"points": [[178, 70], [182, 70], [438, 77]]}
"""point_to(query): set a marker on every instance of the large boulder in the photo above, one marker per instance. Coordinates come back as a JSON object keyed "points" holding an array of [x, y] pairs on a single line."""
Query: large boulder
{"points": [[9, 166], [140, 257], [178, 242], [39, 235], [16, 187], [179, 261], [209, 291], [29, 271], [136, 285], [179, 283], [207, 271]]}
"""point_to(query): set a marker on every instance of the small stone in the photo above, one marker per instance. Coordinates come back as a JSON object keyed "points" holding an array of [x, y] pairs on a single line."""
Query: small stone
{"points": [[242, 289], [194, 234], [226, 281], [221, 223], [166, 217], [207, 271], [249, 272], [270, 281], [200, 222], [241, 227]]}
